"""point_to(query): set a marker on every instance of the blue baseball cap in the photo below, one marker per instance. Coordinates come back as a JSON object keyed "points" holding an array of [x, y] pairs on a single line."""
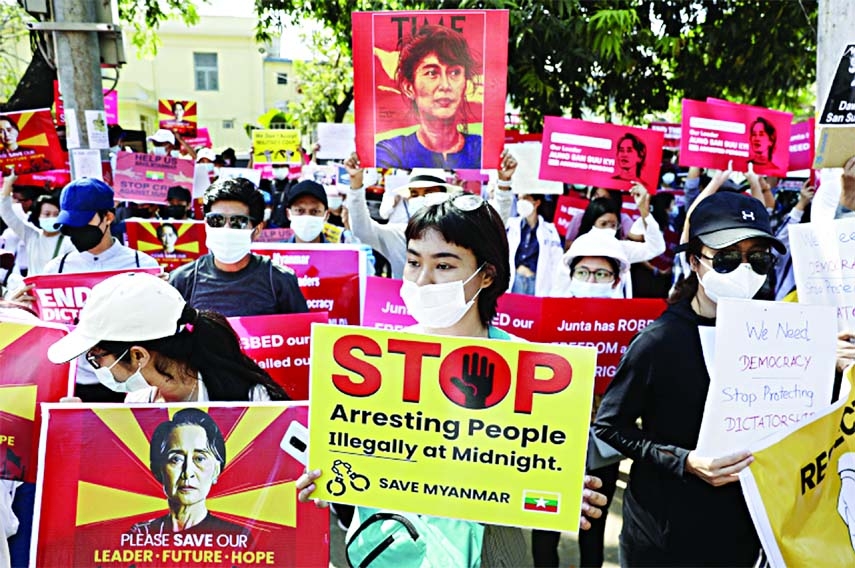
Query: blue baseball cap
{"points": [[81, 199]]}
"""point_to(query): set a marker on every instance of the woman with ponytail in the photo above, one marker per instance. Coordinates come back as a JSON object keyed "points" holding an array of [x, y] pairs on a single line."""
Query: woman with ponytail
{"points": [[143, 339]]}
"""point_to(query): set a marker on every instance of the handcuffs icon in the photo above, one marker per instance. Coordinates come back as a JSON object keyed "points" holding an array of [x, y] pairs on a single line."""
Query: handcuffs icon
{"points": [[337, 487]]}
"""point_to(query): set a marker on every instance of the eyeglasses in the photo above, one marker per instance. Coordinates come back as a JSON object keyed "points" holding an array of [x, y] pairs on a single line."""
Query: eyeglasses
{"points": [[601, 275], [725, 261], [219, 220], [464, 202], [94, 358]]}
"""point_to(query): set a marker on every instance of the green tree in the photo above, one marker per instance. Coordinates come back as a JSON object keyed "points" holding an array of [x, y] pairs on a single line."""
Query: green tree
{"points": [[325, 84], [141, 19], [623, 59], [13, 21]]}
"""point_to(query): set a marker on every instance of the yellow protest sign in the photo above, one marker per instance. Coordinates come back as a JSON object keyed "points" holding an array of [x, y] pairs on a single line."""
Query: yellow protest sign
{"points": [[800, 489], [476, 429], [276, 146]]}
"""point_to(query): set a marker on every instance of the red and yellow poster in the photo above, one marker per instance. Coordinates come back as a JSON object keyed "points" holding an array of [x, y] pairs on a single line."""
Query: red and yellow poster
{"points": [[280, 344], [27, 379], [172, 242], [175, 485], [800, 488], [28, 141], [60, 297], [429, 88], [178, 116], [475, 429]]}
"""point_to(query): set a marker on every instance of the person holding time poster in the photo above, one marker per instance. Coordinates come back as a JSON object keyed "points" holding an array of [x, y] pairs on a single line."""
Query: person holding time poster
{"points": [[430, 88]]}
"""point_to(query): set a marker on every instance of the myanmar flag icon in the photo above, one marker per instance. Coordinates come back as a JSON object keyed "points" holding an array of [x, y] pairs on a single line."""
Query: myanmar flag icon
{"points": [[541, 501], [155, 176]]}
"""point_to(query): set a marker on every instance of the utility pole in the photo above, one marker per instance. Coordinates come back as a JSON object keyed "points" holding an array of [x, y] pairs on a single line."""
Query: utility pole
{"points": [[84, 37], [835, 30]]}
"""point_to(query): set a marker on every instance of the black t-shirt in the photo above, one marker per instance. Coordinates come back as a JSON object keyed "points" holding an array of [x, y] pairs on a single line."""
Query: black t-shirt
{"points": [[260, 289]]}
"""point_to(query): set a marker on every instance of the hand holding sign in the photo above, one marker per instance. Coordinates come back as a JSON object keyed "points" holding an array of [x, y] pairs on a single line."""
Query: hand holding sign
{"points": [[477, 382], [642, 199], [718, 471]]}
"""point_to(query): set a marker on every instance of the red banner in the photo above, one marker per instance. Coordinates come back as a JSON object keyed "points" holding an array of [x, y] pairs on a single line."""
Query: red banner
{"points": [[59, 297], [384, 308], [177, 116], [111, 105], [280, 345], [601, 155], [329, 275], [672, 132], [452, 73], [567, 207], [115, 477], [717, 132], [27, 379], [29, 143], [608, 325], [802, 145], [173, 243], [145, 178]]}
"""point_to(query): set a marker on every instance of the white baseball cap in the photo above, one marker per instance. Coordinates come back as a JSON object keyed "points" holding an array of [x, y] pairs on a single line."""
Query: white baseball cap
{"points": [[161, 136], [205, 154], [133, 306]]}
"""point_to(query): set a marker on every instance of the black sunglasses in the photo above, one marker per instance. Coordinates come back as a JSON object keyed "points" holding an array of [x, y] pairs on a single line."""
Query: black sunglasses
{"points": [[725, 261], [219, 220]]}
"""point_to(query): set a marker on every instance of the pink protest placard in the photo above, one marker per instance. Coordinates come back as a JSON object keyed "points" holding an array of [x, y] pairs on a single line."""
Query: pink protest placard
{"points": [[280, 344], [714, 133], [802, 145], [671, 131], [602, 155], [111, 105], [330, 276], [567, 207], [145, 178], [60, 297], [202, 138], [384, 308]]}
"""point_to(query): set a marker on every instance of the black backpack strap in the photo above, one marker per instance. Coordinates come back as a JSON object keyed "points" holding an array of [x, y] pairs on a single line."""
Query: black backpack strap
{"points": [[62, 262], [137, 255], [387, 542]]}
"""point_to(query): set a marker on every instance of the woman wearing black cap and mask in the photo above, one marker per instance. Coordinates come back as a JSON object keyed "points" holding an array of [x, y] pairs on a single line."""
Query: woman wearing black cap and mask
{"points": [[682, 508]]}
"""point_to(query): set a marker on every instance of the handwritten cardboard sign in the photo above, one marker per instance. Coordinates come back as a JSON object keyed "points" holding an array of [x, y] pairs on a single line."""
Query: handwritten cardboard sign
{"points": [[391, 412], [774, 368], [146, 178], [602, 155], [337, 140], [823, 266]]}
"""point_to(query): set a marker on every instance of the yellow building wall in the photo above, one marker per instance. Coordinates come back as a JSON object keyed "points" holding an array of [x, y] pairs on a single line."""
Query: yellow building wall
{"points": [[171, 75]]}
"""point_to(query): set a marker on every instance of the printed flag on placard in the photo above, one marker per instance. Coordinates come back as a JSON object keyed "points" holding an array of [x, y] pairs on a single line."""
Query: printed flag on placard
{"points": [[541, 501]]}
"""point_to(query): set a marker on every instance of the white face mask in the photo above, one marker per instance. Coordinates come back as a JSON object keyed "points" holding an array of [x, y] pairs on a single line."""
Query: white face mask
{"points": [[307, 227], [228, 245], [280, 173], [48, 224], [159, 150], [414, 204], [438, 306], [267, 214], [741, 284], [525, 208], [134, 383], [175, 154], [335, 202], [207, 167], [584, 289]]}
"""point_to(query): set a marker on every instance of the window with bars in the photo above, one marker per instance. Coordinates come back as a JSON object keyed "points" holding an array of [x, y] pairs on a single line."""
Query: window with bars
{"points": [[207, 75]]}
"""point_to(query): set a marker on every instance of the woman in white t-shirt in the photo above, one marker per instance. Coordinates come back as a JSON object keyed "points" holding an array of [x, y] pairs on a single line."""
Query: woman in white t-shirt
{"points": [[143, 339]]}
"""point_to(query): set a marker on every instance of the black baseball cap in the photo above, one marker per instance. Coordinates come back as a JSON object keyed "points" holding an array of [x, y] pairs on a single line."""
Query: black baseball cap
{"points": [[308, 187], [725, 218]]}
